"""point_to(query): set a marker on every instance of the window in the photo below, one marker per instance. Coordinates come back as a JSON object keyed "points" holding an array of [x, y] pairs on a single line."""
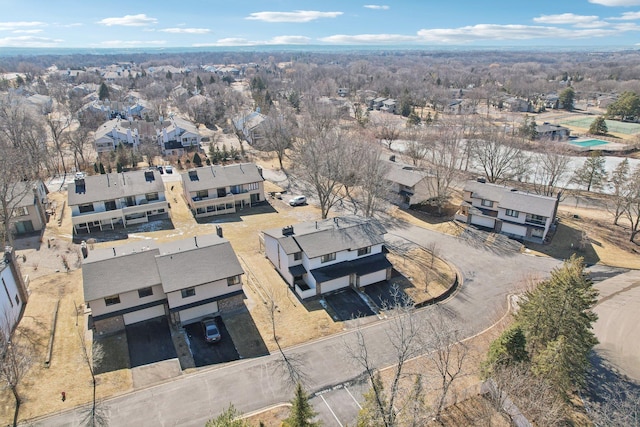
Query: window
{"points": [[145, 292], [536, 219], [21, 211], [328, 257], [86, 208], [112, 300], [7, 292], [364, 251], [297, 256], [253, 186], [202, 194], [487, 203], [511, 212], [235, 280], [222, 192], [110, 205], [151, 196], [189, 292]]}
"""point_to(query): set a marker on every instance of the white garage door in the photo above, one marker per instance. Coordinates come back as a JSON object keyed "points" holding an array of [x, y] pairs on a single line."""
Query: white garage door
{"points": [[194, 314], [483, 221], [371, 278], [146, 314], [334, 285], [514, 229]]}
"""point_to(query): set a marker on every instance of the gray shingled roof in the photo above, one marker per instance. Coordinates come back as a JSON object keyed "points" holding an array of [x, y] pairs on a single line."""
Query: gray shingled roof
{"points": [[403, 174], [183, 265], [114, 186], [133, 267], [317, 238], [516, 200], [217, 176]]}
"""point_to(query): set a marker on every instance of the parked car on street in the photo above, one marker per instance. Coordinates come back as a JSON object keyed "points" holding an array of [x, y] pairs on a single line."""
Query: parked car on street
{"points": [[298, 200], [210, 329], [168, 169]]}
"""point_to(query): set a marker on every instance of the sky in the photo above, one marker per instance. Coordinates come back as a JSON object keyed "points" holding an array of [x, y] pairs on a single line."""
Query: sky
{"points": [[228, 23]]}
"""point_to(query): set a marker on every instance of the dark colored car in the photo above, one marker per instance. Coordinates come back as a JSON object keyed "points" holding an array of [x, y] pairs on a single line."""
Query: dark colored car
{"points": [[160, 169], [210, 329]]}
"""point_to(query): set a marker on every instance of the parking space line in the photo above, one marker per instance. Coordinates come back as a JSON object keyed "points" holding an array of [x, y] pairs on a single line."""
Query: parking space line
{"points": [[354, 399], [331, 410]]}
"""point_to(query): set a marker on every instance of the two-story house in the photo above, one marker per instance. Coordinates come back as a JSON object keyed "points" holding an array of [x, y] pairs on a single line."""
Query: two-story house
{"points": [[29, 207], [408, 185], [318, 257], [185, 280], [217, 190], [113, 133], [13, 292], [178, 135], [250, 125], [507, 210], [116, 199]]}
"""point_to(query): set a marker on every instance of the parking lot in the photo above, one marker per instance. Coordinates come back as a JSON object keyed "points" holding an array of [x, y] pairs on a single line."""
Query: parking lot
{"points": [[205, 353], [347, 304], [340, 405], [150, 342]]}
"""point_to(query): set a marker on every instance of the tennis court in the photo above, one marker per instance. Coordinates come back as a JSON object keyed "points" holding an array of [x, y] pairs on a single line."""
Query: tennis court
{"points": [[612, 125]]}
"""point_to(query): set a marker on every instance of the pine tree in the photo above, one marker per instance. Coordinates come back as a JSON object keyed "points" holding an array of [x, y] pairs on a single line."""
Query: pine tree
{"points": [[199, 84], [567, 98], [509, 348], [229, 418], [102, 171], [592, 173], [301, 410], [197, 160], [557, 320], [103, 92], [374, 408], [598, 126]]}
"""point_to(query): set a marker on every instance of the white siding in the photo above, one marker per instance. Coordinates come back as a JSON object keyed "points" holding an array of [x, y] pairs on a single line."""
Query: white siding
{"points": [[203, 292], [194, 314], [146, 314], [127, 300], [9, 307], [514, 229]]}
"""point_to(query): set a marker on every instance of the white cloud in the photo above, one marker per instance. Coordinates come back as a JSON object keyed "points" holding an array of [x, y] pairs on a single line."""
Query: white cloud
{"points": [[132, 43], [376, 6], [9, 26], [616, 2], [295, 16], [29, 41], [627, 16], [186, 30], [35, 31], [565, 18], [508, 32], [139, 20], [237, 41], [369, 38]]}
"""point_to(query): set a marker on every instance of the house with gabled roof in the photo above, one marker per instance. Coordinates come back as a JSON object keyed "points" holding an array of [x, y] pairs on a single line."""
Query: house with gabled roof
{"points": [[113, 133], [218, 190], [408, 184], [250, 125], [29, 208], [507, 210], [318, 257], [184, 280], [116, 199], [178, 135], [13, 293]]}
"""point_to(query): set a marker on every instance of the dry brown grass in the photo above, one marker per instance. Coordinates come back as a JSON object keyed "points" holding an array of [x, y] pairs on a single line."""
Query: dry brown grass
{"points": [[271, 417], [441, 225], [427, 277]]}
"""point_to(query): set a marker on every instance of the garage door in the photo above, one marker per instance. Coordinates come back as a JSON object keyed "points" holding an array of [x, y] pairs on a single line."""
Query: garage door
{"points": [[194, 314], [146, 314], [483, 221], [514, 229], [376, 277], [333, 285]]}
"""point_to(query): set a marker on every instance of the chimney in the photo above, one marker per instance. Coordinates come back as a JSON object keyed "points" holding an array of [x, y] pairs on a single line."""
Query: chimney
{"points": [[287, 231], [195, 240], [84, 249], [10, 260], [219, 231]]}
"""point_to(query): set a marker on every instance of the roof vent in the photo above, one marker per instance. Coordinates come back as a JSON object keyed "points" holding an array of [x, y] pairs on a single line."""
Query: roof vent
{"points": [[287, 231]]}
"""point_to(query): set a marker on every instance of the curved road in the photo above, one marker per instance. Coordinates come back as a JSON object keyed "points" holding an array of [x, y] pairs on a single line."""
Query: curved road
{"points": [[490, 273]]}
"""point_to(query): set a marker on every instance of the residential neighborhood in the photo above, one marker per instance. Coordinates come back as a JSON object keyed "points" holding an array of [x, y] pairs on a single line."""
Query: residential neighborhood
{"points": [[206, 231]]}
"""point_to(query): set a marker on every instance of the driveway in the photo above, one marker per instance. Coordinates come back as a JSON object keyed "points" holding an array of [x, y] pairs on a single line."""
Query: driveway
{"points": [[150, 342], [385, 295], [205, 353], [347, 304]]}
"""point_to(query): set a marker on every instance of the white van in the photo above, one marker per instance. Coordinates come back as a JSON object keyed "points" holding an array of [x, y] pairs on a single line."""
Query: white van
{"points": [[298, 200]]}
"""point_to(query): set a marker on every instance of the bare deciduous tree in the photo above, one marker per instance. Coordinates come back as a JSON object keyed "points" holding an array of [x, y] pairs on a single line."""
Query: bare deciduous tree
{"points": [[386, 128], [499, 158], [278, 133], [15, 361], [92, 356], [549, 170]]}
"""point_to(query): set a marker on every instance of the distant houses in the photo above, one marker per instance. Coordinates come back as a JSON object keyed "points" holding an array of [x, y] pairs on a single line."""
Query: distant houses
{"points": [[29, 207]]}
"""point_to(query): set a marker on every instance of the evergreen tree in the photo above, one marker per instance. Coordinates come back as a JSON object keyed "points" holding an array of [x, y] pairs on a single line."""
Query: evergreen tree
{"points": [[509, 348], [211, 80], [169, 76], [592, 173], [102, 171], [557, 320], [199, 84], [301, 410], [374, 408], [626, 107], [229, 418], [103, 92], [567, 97], [598, 126], [197, 160]]}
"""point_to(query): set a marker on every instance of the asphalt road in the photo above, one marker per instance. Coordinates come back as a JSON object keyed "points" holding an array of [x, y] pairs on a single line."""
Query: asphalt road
{"points": [[489, 274]]}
